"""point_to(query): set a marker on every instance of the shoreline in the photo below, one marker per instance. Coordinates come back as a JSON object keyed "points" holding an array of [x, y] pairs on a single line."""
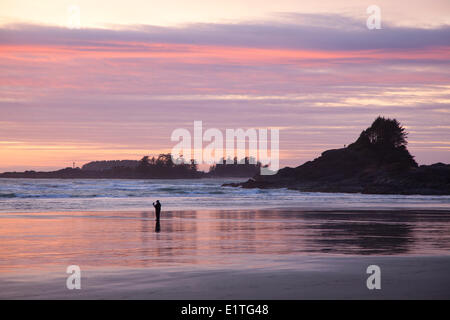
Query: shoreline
{"points": [[207, 194], [289, 209]]}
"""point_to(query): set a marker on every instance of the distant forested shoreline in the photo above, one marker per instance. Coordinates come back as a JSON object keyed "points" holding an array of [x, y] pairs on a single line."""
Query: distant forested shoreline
{"points": [[161, 167]]}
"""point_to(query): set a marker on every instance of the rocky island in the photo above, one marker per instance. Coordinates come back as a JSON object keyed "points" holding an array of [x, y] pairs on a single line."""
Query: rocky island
{"points": [[378, 162]]}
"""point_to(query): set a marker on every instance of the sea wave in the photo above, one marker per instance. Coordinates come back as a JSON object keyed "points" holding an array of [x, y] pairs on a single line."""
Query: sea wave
{"points": [[110, 194], [172, 190], [8, 195]]}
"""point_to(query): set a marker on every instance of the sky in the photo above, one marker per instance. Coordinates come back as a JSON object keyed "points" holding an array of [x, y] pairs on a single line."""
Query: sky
{"points": [[117, 84]]}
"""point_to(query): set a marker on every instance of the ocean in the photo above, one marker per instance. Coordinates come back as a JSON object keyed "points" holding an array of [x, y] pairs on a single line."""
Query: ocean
{"points": [[49, 195]]}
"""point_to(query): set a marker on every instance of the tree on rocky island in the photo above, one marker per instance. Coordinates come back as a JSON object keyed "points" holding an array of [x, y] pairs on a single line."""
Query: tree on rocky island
{"points": [[388, 139], [385, 132]]}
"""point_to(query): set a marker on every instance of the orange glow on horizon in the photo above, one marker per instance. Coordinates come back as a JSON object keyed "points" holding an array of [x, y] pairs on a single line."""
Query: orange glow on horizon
{"points": [[195, 53]]}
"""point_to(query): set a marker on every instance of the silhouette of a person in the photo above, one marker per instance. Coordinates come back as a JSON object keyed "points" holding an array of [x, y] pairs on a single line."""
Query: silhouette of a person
{"points": [[157, 206]]}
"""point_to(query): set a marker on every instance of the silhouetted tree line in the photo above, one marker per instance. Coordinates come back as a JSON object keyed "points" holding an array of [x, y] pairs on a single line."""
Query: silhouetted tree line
{"points": [[109, 164], [164, 167], [160, 167], [246, 167], [147, 168]]}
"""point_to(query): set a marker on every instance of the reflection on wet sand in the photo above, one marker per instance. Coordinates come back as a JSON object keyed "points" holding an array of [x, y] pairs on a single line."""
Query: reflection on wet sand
{"points": [[133, 239], [356, 233]]}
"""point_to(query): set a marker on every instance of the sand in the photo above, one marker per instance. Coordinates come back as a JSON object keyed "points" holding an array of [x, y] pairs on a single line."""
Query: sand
{"points": [[316, 278], [246, 254]]}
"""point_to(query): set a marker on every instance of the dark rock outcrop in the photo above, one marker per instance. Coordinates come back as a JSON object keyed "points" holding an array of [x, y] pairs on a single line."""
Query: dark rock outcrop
{"points": [[377, 163]]}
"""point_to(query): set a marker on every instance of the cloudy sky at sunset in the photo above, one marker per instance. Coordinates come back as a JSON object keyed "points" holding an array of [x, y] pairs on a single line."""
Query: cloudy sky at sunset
{"points": [[134, 71]]}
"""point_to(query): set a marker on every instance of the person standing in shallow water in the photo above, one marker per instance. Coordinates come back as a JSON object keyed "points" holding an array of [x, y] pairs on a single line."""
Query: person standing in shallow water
{"points": [[157, 206]]}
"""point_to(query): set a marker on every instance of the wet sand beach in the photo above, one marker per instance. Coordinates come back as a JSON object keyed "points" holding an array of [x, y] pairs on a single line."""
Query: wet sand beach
{"points": [[226, 254]]}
